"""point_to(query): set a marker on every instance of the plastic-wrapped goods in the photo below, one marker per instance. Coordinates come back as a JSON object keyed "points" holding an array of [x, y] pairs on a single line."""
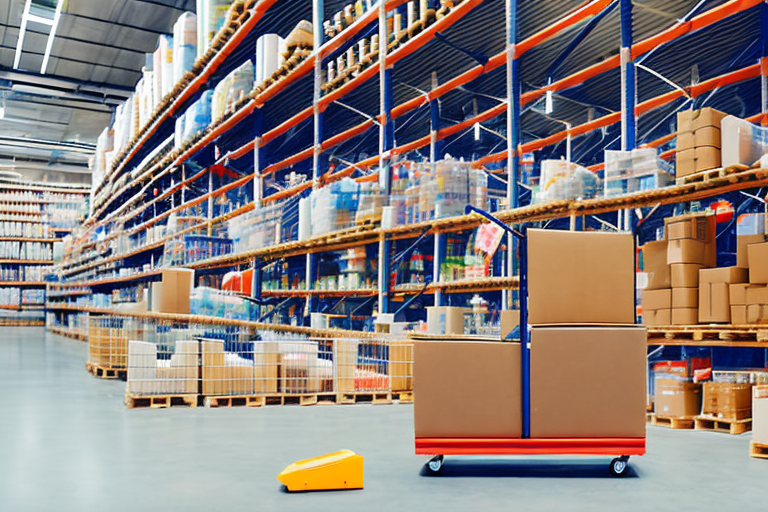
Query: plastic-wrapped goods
{"points": [[334, 206], [163, 68], [198, 116], [561, 180], [742, 142], [211, 15], [268, 56], [184, 46], [258, 228], [636, 170], [230, 91]]}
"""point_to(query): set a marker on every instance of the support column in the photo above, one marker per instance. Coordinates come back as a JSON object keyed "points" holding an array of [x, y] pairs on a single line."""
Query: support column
{"points": [[434, 155], [386, 144], [628, 94], [764, 59], [513, 141], [258, 179]]}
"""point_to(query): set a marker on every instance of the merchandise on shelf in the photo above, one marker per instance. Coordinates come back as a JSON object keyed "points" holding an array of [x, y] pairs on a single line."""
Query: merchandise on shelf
{"points": [[185, 249], [743, 143], [334, 206], [163, 68], [562, 180], [26, 251], [698, 141], [260, 227], [231, 91], [269, 56], [216, 303], [293, 50], [184, 46], [211, 15], [194, 120], [627, 172]]}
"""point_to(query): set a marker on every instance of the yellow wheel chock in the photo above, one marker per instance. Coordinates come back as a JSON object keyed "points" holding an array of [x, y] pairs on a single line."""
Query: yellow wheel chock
{"points": [[338, 470]]}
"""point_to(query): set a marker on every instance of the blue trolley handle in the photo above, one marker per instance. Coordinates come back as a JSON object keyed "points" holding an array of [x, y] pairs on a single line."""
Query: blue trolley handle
{"points": [[525, 356]]}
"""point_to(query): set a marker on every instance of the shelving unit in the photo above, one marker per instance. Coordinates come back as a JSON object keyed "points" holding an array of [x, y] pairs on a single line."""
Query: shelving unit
{"points": [[403, 105]]}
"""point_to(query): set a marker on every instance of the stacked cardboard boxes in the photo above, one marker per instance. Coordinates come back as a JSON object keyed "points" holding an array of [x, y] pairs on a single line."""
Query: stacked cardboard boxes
{"points": [[714, 293], [657, 296], [698, 141], [675, 393], [749, 297], [727, 400]]}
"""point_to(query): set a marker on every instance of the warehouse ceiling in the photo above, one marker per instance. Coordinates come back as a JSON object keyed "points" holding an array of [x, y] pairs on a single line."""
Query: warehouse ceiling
{"points": [[60, 82]]}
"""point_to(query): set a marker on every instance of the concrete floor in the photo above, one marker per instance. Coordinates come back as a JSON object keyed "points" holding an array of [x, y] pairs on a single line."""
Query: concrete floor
{"points": [[67, 443]]}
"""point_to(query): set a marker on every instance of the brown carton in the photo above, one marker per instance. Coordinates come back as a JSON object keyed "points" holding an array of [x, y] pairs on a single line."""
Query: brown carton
{"points": [[757, 313], [691, 251], [509, 320], [447, 379], [742, 251], [726, 400], [685, 275], [580, 277], [695, 226], [758, 263], [706, 117], [707, 136], [655, 265], [685, 162], [738, 315], [446, 319], [657, 317], [685, 140], [171, 295], [760, 414], [738, 294], [714, 292], [685, 297], [685, 121], [676, 398], [756, 294], [657, 299], [707, 158], [570, 367], [685, 316]]}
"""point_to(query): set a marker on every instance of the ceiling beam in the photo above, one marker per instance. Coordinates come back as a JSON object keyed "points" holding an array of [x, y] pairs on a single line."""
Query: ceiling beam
{"points": [[118, 24], [77, 40], [78, 61], [66, 84]]}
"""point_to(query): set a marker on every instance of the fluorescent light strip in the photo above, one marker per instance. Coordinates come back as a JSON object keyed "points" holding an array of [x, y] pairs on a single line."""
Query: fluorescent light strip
{"points": [[22, 31], [49, 45]]}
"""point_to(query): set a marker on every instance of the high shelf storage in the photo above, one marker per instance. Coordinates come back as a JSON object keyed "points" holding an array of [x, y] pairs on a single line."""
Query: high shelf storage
{"points": [[425, 84]]}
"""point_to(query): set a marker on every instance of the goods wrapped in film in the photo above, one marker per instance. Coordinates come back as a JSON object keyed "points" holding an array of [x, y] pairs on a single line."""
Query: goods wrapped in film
{"points": [[184, 45], [211, 15], [231, 91]]}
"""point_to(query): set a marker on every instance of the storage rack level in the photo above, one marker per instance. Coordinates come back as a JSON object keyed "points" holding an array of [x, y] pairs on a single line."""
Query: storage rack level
{"points": [[439, 447]]}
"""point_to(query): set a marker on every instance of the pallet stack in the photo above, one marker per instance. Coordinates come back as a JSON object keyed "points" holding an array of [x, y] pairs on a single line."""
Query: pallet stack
{"points": [[698, 141]]}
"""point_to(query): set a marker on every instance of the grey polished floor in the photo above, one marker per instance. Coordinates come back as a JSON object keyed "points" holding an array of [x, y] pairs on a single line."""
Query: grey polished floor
{"points": [[68, 444]]}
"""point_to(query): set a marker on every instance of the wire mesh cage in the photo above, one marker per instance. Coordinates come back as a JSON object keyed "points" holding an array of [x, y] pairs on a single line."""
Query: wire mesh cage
{"points": [[108, 340]]}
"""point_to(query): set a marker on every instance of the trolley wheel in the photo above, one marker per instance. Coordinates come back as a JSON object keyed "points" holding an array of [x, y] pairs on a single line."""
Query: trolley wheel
{"points": [[619, 466], [435, 465]]}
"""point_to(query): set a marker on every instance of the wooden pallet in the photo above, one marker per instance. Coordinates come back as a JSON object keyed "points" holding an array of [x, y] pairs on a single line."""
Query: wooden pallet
{"points": [[375, 398], [758, 450], [69, 334], [159, 401], [234, 401], [733, 427], [705, 176], [673, 423], [403, 397], [708, 333], [104, 372]]}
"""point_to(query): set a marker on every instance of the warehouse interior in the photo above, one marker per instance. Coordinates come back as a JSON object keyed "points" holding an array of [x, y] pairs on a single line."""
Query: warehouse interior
{"points": [[437, 252]]}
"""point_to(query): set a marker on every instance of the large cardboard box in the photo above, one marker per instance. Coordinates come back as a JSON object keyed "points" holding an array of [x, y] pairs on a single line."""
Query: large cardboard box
{"points": [[706, 117], [760, 414], [685, 316], [467, 389], [685, 297], [714, 292], [676, 398], [756, 294], [738, 294], [657, 317], [580, 277], [758, 263], [726, 400], [509, 320], [171, 295], [695, 226], [692, 251], [655, 265], [742, 248], [446, 319], [757, 313], [685, 162], [739, 315], [685, 275], [657, 299], [588, 381], [707, 158]]}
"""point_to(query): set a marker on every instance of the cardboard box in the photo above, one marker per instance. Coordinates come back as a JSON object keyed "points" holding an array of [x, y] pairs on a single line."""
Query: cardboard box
{"points": [[707, 158], [400, 365], [580, 277], [738, 315], [726, 400], [758, 263], [692, 251], [756, 294], [707, 136], [657, 317], [676, 398], [760, 414], [467, 389], [685, 298], [171, 294], [706, 117], [570, 367], [742, 251], [446, 319], [685, 140], [685, 162], [684, 275], [685, 316], [714, 292], [509, 320], [695, 226], [657, 299], [757, 313], [655, 265], [737, 293]]}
